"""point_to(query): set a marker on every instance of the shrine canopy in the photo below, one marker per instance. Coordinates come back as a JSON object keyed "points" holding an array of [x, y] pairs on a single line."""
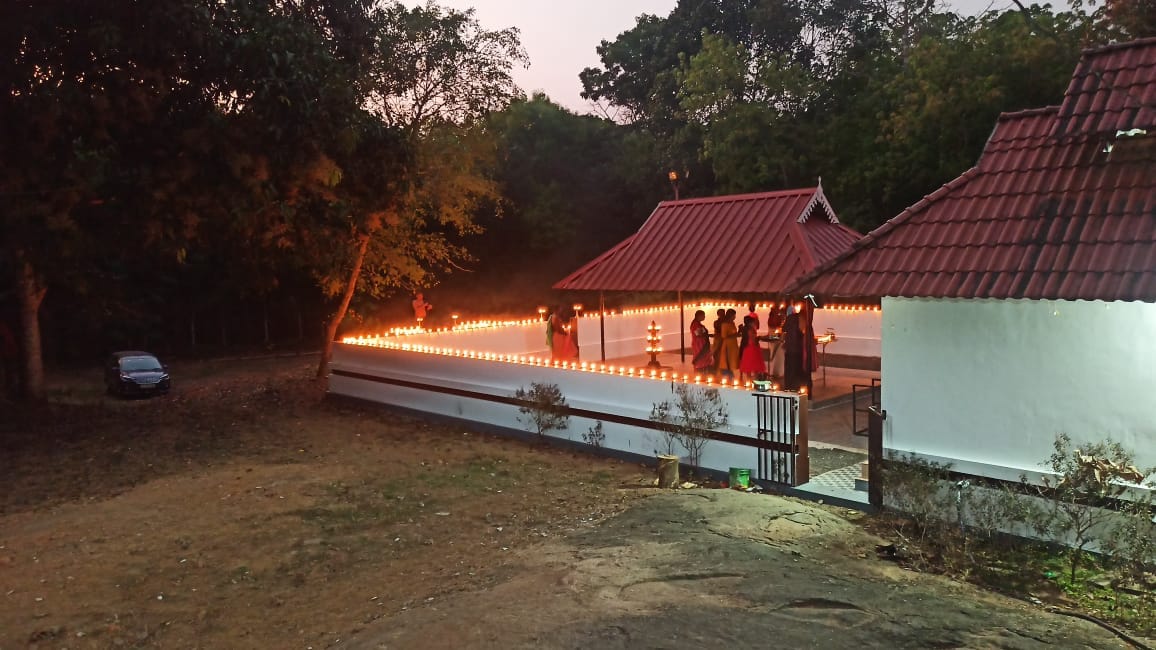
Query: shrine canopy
{"points": [[750, 244]]}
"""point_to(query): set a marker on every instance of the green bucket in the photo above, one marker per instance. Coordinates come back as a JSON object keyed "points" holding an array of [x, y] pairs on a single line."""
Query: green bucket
{"points": [[740, 478]]}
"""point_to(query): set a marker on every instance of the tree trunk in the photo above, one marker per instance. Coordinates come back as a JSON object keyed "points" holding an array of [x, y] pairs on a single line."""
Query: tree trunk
{"points": [[339, 314], [30, 290]]}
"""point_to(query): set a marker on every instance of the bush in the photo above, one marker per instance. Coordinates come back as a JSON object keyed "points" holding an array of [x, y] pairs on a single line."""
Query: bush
{"points": [[690, 419], [594, 435], [1084, 498], [544, 408]]}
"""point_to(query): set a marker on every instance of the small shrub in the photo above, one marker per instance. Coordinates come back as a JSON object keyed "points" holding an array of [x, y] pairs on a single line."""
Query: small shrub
{"points": [[917, 489], [594, 435], [1082, 498], [544, 409], [1131, 546], [690, 419]]}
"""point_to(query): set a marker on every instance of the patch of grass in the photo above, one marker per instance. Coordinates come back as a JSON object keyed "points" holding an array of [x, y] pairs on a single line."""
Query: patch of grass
{"points": [[346, 509], [481, 474], [600, 477]]}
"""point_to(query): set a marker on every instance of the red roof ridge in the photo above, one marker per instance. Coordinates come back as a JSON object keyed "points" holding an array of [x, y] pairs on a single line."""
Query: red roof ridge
{"points": [[752, 196], [1125, 45], [1028, 112]]}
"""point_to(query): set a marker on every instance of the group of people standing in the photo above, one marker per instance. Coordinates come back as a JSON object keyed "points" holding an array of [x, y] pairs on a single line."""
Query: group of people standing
{"points": [[562, 333], [732, 350]]}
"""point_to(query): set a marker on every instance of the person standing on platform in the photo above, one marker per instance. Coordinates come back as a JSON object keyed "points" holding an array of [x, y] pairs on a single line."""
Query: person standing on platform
{"points": [[565, 335], [775, 319], [751, 364], [420, 308], [728, 361], [716, 342], [753, 316], [795, 373], [555, 332], [549, 318], [701, 356]]}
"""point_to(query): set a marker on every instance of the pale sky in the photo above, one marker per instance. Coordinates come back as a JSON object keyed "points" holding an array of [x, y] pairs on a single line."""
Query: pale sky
{"points": [[560, 37]]}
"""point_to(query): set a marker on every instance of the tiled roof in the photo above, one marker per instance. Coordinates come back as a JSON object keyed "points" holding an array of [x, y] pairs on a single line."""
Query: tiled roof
{"points": [[748, 243], [1060, 205], [1112, 90]]}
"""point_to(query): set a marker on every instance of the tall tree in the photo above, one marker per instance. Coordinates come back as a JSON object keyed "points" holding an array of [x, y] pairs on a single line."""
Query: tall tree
{"points": [[434, 74], [85, 86], [142, 126], [747, 104]]}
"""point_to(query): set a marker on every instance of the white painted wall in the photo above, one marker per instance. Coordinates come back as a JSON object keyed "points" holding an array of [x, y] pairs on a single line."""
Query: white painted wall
{"points": [[856, 332], [988, 384], [627, 396], [625, 335]]}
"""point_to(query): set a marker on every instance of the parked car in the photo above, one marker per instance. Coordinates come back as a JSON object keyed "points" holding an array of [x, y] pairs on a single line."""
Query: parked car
{"points": [[132, 372]]}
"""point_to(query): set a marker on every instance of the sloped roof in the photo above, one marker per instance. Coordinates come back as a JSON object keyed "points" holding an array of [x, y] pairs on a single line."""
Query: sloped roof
{"points": [[746, 243], [1061, 205]]}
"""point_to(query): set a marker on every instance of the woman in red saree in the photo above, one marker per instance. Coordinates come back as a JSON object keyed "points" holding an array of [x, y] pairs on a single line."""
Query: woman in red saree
{"points": [[566, 336], [701, 355], [751, 364]]}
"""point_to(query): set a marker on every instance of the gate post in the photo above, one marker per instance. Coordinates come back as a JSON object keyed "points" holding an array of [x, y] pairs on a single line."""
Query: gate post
{"points": [[802, 444], [875, 418]]}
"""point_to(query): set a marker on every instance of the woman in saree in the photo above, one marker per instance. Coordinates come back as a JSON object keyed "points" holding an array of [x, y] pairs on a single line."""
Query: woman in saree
{"points": [[701, 355], [716, 342], [728, 357], [751, 364], [566, 335]]}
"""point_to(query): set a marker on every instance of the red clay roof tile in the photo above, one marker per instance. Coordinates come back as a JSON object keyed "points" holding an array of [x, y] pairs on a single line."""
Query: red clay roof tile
{"points": [[1059, 206]]}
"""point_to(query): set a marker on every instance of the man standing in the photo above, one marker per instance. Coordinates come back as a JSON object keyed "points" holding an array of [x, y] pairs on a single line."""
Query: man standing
{"points": [[420, 308]]}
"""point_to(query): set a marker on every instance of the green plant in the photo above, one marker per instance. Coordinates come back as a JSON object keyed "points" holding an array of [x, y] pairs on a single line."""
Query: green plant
{"points": [[543, 409], [594, 435], [690, 419], [1131, 546], [918, 489], [1083, 495]]}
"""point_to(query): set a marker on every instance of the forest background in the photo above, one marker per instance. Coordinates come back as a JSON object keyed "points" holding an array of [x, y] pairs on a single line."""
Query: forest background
{"points": [[198, 177]]}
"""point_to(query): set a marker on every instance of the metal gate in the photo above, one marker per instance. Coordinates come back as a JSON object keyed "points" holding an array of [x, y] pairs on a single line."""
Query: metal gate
{"points": [[863, 398], [782, 435]]}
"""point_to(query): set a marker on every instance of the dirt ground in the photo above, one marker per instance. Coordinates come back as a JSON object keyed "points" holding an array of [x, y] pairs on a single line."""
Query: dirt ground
{"points": [[247, 511]]}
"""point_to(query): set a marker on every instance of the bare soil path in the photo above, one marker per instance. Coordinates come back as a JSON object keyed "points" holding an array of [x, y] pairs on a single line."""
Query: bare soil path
{"points": [[247, 511], [719, 568]]}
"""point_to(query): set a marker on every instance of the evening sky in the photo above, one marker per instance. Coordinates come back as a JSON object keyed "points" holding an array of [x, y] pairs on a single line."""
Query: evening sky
{"points": [[560, 37]]}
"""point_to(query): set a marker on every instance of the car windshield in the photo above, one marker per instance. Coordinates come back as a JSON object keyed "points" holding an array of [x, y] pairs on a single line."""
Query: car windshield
{"points": [[137, 364]]}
